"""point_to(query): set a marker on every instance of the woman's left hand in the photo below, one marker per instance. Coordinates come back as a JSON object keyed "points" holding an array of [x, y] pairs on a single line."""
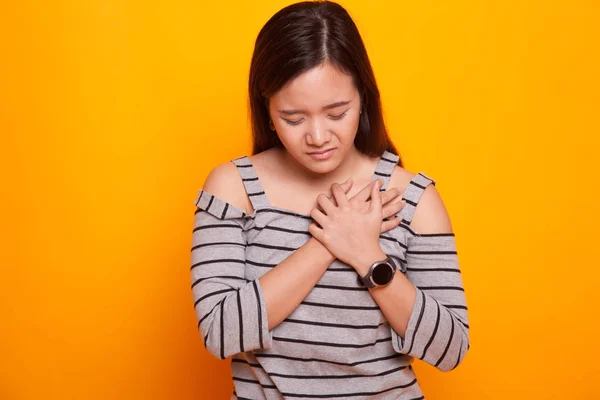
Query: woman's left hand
{"points": [[349, 233]]}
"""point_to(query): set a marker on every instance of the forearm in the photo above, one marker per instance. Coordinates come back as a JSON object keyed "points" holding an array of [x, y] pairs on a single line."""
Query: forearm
{"points": [[396, 300], [286, 285], [426, 308]]}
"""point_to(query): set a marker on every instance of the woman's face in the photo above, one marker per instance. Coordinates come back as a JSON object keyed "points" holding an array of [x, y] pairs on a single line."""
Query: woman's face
{"points": [[317, 111]]}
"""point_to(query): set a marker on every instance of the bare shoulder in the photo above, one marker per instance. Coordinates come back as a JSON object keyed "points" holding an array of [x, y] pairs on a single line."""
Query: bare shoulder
{"points": [[431, 215], [225, 182]]}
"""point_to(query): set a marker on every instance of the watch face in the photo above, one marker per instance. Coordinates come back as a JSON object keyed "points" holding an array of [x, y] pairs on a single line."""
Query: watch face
{"points": [[382, 274]]}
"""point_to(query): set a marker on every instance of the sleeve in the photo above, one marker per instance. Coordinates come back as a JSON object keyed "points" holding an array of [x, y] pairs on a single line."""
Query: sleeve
{"points": [[230, 310], [438, 327]]}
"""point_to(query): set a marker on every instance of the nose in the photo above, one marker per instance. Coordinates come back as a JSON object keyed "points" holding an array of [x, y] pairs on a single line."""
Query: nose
{"points": [[319, 134]]}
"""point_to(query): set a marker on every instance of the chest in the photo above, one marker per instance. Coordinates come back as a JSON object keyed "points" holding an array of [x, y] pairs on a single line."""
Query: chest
{"points": [[302, 199]]}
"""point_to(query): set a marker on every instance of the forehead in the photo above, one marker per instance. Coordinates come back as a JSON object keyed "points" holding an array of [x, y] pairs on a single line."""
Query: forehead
{"points": [[316, 87]]}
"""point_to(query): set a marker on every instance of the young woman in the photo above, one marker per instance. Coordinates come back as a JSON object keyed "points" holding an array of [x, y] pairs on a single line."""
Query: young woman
{"points": [[307, 269]]}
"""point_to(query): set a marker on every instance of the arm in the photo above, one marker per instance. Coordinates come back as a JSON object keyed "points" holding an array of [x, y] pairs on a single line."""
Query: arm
{"points": [[286, 285], [438, 330], [426, 308], [235, 315]]}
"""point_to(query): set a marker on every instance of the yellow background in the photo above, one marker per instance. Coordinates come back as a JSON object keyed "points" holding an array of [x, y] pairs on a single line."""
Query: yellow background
{"points": [[112, 113]]}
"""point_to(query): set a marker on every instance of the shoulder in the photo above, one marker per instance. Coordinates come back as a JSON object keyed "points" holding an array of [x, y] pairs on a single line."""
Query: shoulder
{"points": [[225, 182], [431, 215]]}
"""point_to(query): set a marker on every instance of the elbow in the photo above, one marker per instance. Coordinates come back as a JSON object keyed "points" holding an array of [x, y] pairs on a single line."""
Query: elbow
{"points": [[209, 344], [215, 351], [214, 345], [236, 324], [210, 328], [462, 350]]}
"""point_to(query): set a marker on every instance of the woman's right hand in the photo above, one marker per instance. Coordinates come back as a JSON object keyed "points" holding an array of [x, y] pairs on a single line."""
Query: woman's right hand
{"points": [[361, 200]]}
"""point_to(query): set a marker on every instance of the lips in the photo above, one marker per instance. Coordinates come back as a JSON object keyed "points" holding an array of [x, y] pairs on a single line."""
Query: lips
{"points": [[322, 152], [323, 155]]}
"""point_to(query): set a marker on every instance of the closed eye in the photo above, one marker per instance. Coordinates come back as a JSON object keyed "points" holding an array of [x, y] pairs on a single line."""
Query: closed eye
{"points": [[342, 115], [333, 117]]}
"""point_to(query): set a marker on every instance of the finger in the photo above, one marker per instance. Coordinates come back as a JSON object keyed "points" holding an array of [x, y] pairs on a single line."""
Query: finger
{"points": [[325, 203], [375, 198], [391, 224], [389, 195], [315, 231], [347, 185], [392, 209], [318, 216], [318, 206], [340, 196]]}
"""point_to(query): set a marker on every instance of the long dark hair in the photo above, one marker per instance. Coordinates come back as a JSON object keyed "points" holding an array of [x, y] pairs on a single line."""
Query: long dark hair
{"points": [[298, 38]]}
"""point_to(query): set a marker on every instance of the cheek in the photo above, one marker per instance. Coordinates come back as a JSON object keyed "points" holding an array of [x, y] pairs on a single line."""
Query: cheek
{"points": [[348, 127], [287, 135], [354, 121]]}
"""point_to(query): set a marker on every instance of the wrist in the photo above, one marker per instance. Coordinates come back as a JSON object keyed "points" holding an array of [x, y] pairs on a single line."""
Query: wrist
{"points": [[363, 260], [321, 248]]}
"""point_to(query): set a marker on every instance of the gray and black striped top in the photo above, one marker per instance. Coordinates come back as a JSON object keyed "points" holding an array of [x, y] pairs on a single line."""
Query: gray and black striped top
{"points": [[337, 343]]}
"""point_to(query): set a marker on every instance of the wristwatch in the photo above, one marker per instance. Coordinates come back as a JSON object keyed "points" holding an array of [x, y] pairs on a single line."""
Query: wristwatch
{"points": [[380, 274]]}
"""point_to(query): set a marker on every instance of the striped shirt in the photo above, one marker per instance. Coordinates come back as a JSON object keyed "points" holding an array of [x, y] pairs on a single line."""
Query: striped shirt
{"points": [[337, 343]]}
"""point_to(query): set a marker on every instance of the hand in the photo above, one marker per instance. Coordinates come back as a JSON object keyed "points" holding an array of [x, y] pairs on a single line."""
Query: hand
{"points": [[361, 201], [349, 230]]}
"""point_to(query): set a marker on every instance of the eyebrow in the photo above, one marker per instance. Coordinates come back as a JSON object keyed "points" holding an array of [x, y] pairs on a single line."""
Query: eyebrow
{"points": [[327, 107]]}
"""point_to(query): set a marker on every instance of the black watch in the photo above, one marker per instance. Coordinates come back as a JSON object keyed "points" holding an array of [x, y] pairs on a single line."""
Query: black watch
{"points": [[380, 274]]}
